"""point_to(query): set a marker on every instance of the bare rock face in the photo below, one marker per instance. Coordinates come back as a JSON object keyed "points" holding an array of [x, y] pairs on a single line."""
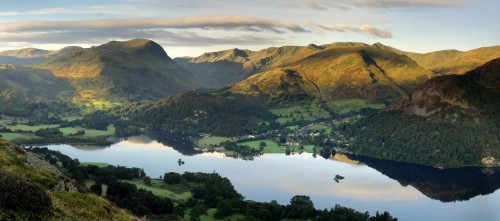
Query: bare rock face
{"points": [[33, 160], [65, 186]]}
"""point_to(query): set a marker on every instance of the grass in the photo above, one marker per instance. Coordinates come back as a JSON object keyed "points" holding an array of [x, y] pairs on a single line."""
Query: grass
{"points": [[209, 216], [347, 105], [81, 206], [296, 113], [72, 118], [208, 141], [32, 128], [88, 132], [98, 164], [177, 192], [17, 136], [271, 146], [292, 128]]}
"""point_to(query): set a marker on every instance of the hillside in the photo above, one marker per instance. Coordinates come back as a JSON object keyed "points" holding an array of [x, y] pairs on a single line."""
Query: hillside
{"points": [[194, 112], [32, 189], [449, 121], [28, 56], [451, 61], [24, 87], [120, 71], [218, 69], [339, 71]]}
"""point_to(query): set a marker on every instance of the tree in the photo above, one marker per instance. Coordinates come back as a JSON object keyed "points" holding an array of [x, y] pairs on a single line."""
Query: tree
{"points": [[172, 178], [262, 145], [96, 188], [146, 180]]}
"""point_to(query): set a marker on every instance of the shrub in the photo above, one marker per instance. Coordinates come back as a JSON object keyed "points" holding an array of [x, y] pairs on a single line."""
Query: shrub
{"points": [[27, 199]]}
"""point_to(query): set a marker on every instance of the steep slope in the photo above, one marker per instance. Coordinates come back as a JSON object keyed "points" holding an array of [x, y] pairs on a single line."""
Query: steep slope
{"points": [[121, 71], [340, 72], [218, 69], [23, 88], [28, 56], [451, 61], [33, 189], [449, 121]]}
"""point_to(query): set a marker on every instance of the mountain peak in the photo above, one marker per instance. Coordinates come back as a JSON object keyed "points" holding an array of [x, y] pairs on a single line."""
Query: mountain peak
{"points": [[135, 46]]}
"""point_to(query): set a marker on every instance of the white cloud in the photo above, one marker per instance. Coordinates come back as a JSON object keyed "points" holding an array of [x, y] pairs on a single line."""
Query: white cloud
{"points": [[204, 22], [365, 29], [409, 3]]}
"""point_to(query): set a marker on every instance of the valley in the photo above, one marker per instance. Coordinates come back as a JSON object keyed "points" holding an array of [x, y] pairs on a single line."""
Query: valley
{"points": [[281, 123]]}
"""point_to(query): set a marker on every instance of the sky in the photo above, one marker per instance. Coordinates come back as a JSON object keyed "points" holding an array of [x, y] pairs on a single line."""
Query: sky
{"points": [[192, 27]]}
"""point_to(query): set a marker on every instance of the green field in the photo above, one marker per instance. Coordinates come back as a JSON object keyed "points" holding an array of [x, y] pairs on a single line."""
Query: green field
{"points": [[17, 136], [321, 128], [101, 165], [209, 141], [296, 113], [348, 105], [210, 216], [72, 118], [31, 128], [271, 146], [177, 192], [89, 133]]}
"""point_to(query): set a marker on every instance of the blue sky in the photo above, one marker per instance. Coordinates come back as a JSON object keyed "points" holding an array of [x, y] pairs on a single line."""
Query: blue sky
{"points": [[191, 27]]}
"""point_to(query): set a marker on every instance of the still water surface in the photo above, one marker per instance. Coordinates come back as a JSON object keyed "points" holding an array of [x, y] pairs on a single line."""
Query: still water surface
{"points": [[408, 192]]}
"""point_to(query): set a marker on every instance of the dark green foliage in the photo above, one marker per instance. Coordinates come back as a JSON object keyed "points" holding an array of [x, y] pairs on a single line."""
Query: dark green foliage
{"points": [[300, 207], [96, 188], [401, 137], [146, 180], [194, 112], [23, 198], [49, 133], [215, 190], [139, 201], [340, 213], [172, 178]]}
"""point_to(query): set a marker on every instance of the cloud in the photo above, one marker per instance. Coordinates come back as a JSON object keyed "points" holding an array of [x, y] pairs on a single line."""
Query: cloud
{"points": [[313, 5], [204, 22], [409, 3], [365, 29]]}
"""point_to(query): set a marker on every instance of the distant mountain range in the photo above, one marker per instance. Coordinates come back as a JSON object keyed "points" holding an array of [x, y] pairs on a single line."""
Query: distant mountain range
{"points": [[28, 56], [339, 72], [140, 69]]}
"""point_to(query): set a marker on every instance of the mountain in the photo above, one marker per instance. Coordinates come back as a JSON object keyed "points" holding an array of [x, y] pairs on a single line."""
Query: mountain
{"points": [[449, 121], [28, 56], [451, 61], [27, 88], [473, 95], [121, 71], [218, 69], [339, 71]]}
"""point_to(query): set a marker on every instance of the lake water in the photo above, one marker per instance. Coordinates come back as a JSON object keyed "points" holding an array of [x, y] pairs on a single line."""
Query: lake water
{"points": [[407, 191]]}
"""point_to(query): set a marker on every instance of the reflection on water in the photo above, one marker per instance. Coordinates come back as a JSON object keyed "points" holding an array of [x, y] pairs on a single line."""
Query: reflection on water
{"points": [[404, 190], [446, 185]]}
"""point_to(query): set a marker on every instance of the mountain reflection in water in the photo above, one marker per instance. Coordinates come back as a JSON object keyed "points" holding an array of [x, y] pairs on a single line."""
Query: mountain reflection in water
{"points": [[445, 185]]}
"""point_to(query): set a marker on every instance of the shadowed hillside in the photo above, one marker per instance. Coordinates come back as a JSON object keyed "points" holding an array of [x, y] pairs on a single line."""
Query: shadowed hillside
{"points": [[121, 71], [28, 56]]}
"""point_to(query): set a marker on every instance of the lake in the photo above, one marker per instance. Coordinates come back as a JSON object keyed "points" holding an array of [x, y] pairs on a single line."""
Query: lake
{"points": [[408, 192]]}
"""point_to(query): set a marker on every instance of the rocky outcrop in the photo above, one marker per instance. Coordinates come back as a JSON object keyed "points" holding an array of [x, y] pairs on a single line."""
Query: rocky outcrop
{"points": [[65, 186], [33, 160]]}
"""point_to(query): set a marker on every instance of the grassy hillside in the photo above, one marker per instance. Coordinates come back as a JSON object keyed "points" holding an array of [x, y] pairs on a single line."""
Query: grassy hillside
{"points": [[111, 72], [218, 69], [36, 199], [339, 72], [27, 90], [449, 121], [451, 61], [28, 56]]}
